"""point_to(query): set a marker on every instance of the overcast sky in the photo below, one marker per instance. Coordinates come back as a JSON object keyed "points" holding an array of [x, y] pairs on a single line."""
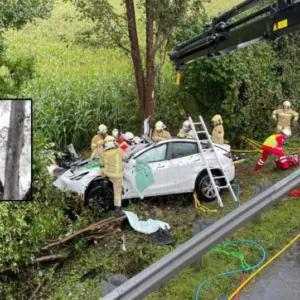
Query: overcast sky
{"points": [[25, 161]]}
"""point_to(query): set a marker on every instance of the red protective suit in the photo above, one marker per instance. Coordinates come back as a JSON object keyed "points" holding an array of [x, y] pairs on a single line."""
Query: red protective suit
{"points": [[273, 145]]}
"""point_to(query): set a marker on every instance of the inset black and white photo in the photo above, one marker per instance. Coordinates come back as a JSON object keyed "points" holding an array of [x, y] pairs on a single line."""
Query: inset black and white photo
{"points": [[15, 149]]}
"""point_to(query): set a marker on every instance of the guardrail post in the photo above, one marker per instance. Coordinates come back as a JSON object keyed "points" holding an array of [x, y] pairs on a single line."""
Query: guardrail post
{"points": [[199, 226]]}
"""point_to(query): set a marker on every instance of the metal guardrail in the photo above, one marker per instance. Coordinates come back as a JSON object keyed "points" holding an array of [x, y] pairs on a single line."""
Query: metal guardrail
{"points": [[157, 274]]}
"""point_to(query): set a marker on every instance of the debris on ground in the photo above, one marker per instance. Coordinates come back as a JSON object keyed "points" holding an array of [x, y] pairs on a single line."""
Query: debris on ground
{"points": [[294, 193], [90, 274], [161, 237], [149, 226]]}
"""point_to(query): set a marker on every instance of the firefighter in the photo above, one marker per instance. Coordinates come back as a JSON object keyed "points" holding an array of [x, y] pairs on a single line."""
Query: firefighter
{"points": [[273, 145], [186, 131], [111, 158], [217, 135], [160, 134], [98, 140], [284, 116]]}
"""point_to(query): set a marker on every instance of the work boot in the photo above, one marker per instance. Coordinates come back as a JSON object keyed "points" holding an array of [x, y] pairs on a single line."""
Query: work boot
{"points": [[257, 167], [118, 211]]}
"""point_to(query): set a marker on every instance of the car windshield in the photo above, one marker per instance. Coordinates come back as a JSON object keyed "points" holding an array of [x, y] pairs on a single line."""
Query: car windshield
{"points": [[134, 149]]}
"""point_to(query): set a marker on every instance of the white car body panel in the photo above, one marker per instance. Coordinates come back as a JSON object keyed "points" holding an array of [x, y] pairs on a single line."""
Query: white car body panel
{"points": [[171, 176]]}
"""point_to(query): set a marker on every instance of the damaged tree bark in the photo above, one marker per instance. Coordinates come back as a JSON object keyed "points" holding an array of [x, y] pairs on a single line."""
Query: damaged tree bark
{"points": [[15, 142]]}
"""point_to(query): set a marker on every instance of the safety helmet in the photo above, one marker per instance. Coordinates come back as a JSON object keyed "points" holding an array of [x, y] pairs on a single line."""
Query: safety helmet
{"points": [[217, 118], [102, 129], [137, 140], [286, 132], [160, 126], [128, 136], [186, 125], [115, 133], [109, 141], [287, 103]]}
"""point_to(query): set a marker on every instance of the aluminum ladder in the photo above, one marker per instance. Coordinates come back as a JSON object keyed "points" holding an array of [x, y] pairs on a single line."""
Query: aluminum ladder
{"points": [[203, 130]]}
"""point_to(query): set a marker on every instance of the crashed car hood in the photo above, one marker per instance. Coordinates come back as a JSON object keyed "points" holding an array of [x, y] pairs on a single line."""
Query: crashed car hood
{"points": [[79, 175]]}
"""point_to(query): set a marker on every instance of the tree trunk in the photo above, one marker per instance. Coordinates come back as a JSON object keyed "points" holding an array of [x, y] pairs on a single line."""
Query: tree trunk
{"points": [[135, 53], [15, 141], [149, 94]]}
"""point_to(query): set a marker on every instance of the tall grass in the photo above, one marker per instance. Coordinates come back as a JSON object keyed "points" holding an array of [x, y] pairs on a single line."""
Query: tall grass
{"points": [[76, 88]]}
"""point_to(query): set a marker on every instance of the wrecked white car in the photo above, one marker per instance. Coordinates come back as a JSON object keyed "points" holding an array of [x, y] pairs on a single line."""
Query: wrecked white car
{"points": [[168, 167]]}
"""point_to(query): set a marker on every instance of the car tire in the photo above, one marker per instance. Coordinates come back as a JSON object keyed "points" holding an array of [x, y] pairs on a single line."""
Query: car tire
{"points": [[100, 199], [205, 189]]}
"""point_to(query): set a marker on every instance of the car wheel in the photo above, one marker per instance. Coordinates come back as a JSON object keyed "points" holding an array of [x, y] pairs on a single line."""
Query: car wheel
{"points": [[205, 188], [100, 200]]}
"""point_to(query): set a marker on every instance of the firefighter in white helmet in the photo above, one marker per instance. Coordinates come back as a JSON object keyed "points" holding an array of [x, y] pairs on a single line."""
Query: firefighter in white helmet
{"points": [[98, 140], [160, 134], [123, 140], [186, 131], [284, 116], [217, 135], [111, 158]]}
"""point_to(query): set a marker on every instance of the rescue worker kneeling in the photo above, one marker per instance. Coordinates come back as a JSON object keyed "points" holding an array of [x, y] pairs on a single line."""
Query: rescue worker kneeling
{"points": [[273, 145], [111, 158]]}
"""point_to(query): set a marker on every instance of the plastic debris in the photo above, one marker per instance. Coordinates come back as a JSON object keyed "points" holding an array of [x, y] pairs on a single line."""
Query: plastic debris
{"points": [[148, 226]]}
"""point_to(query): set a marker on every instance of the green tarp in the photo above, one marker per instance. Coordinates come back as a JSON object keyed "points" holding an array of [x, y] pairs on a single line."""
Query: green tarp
{"points": [[143, 175]]}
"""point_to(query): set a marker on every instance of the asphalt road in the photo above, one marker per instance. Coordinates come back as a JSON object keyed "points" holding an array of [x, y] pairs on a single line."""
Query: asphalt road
{"points": [[280, 280]]}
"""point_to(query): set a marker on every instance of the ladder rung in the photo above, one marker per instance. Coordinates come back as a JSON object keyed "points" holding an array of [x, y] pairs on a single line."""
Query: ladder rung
{"points": [[201, 131], [219, 177], [198, 123], [223, 187]]}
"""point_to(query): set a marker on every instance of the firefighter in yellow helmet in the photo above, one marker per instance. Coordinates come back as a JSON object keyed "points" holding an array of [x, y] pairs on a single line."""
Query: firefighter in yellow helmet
{"points": [[98, 140], [159, 134], [217, 135], [284, 116], [111, 158]]}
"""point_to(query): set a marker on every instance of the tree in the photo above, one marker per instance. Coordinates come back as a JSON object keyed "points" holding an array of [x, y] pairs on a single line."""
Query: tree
{"points": [[15, 143], [159, 18]]}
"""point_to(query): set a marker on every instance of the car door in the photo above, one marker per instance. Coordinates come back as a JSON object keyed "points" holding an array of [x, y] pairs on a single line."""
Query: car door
{"points": [[154, 160], [185, 163]]}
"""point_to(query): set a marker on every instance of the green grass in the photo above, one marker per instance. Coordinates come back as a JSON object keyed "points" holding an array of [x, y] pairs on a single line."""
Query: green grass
{"points": [[215, 7]]}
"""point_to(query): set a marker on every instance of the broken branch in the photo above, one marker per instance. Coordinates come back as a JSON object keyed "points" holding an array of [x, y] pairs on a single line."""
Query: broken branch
{"points": [[94, 227]]}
